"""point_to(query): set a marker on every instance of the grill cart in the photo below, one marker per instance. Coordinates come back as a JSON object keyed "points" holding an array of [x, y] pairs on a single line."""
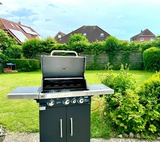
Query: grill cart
{"points": [[64, 98]]}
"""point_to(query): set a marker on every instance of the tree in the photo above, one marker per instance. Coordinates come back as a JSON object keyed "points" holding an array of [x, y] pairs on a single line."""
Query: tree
{"points": [[78, 42], [31, 48], [5, 40], [111, 44], [14, 52]]}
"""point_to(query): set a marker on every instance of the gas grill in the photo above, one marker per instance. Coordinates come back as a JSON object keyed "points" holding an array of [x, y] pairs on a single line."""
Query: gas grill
{"points": [[63, 72], [64, 98]]}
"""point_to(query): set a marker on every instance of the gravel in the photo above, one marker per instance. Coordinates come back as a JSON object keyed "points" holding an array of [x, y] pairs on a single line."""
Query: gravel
{"points": [[34, 137]]}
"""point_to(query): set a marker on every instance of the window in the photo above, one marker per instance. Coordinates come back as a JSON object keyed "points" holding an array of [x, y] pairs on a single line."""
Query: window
{"points": [[84, 34], [102, 35], [142, 39], [152, 38], [59, 36]]}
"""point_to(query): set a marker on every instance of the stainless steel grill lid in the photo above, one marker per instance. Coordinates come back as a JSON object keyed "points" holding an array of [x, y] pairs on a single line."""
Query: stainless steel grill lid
{"points": [[63, 66]]}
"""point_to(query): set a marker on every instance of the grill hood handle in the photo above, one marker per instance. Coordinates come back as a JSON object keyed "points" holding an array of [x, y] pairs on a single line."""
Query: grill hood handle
{"points": [[63, 51]]}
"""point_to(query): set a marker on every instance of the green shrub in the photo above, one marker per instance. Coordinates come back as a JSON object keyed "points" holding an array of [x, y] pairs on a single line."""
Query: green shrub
{"points": [[5, 40], [120, 81], [78, 43], [15, 51], [26, 65], [1, 68], [149, 93], [123, 108], [3, 58], [151, 58], [32, 47], [111, 44], [127, 115]]}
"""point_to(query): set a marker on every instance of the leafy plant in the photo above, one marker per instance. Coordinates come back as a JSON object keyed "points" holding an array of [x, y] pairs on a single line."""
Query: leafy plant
{"points": [[5, 40], [151, 58], [111, 44], [149, 93], [78, 43], [26, 65], [14, 51]]}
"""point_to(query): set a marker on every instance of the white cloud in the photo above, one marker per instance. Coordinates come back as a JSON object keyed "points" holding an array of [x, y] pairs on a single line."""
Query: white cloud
{"points": [[48, 17]]}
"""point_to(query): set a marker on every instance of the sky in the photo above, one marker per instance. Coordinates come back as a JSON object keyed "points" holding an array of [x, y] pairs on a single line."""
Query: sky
{"points": [[120, 18]]}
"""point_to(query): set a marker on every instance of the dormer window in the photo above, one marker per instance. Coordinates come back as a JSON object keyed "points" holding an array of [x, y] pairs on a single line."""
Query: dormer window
{"points": [[102, 35], [142, 39], [59, 36], [84, 34]]}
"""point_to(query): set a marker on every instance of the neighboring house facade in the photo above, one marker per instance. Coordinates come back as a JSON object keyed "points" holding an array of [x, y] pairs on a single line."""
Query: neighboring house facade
{"points": [[59, 35], [145, 35], [18, 31], [92, 33]]}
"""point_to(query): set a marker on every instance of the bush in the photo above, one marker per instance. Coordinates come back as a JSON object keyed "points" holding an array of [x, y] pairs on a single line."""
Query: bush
{"points": [[120, 81], [78, 43], [123, 108], [127, 115], [111, 44], [26, 65], [5, 40], [151, 58], [149, 93], [3, 58], [1, 68], [14, 51]]}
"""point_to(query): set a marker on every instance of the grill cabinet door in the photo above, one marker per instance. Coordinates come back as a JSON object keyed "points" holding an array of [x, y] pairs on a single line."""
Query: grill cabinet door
{"points": [[78, 123], [53, 125]]}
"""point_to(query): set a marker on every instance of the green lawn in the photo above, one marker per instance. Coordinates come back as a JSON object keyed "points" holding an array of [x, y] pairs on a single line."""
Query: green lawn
{"points": [[22, 115]]}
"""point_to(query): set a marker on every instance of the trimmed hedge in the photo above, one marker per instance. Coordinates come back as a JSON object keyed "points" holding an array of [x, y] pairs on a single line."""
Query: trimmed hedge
{"points": [[151, 58], [26, 65], [149, 93], [1, 68]]}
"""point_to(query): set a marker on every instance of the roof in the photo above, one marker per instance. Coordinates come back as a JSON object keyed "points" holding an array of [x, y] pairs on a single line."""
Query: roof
{"points": [[18, 31], [92, 33], [59, 35], [146, 32]]}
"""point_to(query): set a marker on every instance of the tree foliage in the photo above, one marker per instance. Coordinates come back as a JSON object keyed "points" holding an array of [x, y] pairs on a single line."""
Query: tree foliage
{"points": [[33, 47], [5, 40], [78, 42], [151, 58], [15, 52], [111, 44]]}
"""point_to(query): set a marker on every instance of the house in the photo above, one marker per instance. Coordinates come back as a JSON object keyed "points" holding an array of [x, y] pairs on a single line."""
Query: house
{"points": [[92, 33], [145, 35], [18, 31], [59, 35]]}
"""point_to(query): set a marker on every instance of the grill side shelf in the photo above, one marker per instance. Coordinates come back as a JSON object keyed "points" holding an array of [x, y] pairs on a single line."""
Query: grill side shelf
{"points": [[34, 92], [24, 92]]}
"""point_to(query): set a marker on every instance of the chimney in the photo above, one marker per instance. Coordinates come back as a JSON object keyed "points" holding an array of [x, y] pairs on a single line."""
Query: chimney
{"points": [[19, 23]]}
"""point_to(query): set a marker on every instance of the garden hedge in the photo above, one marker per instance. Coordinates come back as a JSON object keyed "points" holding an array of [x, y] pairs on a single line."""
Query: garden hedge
{"points": [[26, 65], [151, 59]]}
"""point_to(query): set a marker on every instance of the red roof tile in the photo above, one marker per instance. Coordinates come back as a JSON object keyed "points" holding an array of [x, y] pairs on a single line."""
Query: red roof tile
{"points": [[18, 31]]}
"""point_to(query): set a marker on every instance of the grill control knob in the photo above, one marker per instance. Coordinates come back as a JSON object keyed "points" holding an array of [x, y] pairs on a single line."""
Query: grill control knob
{"points": [[73, 101], [51, 103], [66, 101], [80, 100]]}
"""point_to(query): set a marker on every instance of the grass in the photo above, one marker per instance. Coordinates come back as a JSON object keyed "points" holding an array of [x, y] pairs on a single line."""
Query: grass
{"points": [[22, 115]]}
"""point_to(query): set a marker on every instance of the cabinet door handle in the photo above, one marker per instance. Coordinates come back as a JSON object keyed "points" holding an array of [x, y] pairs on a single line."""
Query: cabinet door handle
{"points": [[61, 128], [71, 120]]}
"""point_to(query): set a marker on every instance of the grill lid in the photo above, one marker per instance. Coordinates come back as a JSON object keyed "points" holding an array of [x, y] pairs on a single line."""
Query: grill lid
{"points": [[62, 66]]}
